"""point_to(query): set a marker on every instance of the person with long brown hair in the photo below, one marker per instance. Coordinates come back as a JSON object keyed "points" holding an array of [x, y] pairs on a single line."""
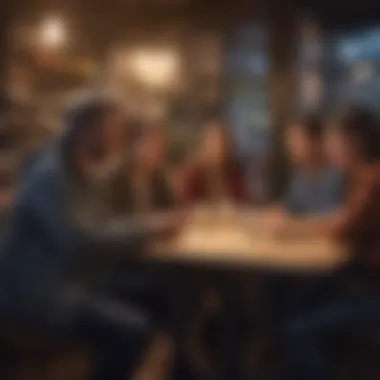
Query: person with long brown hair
{"points": [[215, 176], [215, 173]]}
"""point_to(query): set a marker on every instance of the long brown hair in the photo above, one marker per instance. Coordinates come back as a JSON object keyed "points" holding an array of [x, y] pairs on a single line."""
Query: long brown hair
{"points": [[230, 159]]}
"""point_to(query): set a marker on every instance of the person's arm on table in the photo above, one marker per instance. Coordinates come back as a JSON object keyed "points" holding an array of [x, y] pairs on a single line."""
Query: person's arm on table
{"points": [[124, 235], [359, 215], [130, 232], [308, 226], [121, 239], [276, 211], [348, 224]]}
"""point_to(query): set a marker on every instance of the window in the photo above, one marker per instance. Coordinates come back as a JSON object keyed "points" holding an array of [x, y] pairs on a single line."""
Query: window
{"points": [[309, 67], [247, 70], [353, 68]]}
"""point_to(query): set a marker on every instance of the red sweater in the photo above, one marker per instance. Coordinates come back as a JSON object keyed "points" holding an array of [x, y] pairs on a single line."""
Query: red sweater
{"points": [[196, 189]]}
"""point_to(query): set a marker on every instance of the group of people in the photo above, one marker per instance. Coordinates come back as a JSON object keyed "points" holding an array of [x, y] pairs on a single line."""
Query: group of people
{"points": [[100, 194]]}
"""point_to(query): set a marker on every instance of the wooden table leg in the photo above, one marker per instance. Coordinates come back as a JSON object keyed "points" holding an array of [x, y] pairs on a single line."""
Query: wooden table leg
{"points": [[182, 302]]}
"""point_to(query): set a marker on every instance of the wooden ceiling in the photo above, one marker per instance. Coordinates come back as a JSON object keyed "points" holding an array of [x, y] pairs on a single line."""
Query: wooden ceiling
{"points": [[101, 21]]}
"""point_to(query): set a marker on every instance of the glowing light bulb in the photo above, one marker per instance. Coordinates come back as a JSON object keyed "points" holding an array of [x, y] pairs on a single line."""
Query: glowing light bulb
{"points": [[53, 32], [154, 68]]}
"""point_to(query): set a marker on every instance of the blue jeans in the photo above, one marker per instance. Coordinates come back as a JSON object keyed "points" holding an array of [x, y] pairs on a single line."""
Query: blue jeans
{"points": [[309, 337]]}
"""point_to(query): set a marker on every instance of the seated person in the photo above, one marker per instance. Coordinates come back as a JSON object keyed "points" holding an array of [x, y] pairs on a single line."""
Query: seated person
{"points": [[353, 143], [61, 223], [315, 186], [144, 188], [148, 187], [216, 174]]}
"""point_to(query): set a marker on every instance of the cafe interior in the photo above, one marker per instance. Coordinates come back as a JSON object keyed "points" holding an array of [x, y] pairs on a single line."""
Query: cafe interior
{"points": [[251, 285]]}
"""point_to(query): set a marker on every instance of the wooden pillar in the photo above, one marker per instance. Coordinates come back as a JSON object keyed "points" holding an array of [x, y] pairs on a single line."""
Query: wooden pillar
{"points": [[283, 23], [6, 16]]}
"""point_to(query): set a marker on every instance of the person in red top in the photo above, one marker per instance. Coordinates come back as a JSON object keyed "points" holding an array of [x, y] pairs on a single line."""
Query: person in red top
{"points": [[354, 144], [215, 173]]}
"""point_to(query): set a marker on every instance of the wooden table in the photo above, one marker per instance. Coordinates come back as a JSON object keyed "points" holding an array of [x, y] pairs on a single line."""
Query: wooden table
{"points": [[244, 240], [227, 242]]}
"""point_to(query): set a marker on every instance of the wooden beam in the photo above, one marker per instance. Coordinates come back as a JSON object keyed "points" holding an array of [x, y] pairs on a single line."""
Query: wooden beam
{"points": [[283, 22]]}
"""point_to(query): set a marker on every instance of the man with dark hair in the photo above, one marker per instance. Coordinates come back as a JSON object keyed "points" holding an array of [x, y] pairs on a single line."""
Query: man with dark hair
{"points": [[63, 220], [315, 186]]}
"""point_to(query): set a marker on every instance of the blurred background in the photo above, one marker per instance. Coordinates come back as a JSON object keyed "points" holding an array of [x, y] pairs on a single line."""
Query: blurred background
{"points": [[176, 62]]}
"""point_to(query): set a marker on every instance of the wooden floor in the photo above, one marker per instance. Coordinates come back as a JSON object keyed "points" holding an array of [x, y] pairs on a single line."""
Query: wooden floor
{"points": [[156, 364], [76, 365]]}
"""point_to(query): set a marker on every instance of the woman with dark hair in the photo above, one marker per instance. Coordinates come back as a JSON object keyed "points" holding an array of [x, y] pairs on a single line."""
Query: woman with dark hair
{"points": [[353, 144], [216, 173]]}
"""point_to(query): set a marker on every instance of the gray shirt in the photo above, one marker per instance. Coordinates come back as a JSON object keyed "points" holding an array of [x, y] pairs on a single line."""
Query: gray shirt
{"points": [[314, 193]]}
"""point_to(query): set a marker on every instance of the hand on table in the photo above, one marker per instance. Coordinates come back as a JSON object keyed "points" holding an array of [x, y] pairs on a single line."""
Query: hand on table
{"points": [[286, 226], [167, 225], [278, 221]]}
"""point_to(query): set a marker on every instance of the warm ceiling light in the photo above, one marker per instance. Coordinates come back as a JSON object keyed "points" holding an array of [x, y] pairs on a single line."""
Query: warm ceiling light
{"points": [[156, 68], [53, 32]]}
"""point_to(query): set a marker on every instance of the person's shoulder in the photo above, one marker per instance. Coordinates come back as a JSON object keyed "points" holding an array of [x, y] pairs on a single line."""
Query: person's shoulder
{"points": [[44, 173]]}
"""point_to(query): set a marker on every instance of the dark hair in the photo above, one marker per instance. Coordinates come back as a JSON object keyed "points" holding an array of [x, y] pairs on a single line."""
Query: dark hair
{"points": [[83, 127], [311, 125], [361, 125]]}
